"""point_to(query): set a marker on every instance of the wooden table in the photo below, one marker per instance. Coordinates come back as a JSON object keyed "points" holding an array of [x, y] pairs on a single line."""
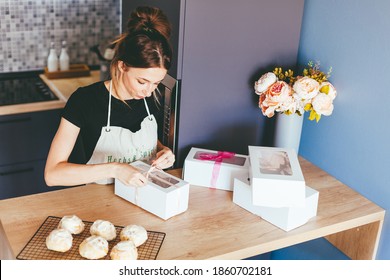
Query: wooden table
{"points": [[213, 227]]}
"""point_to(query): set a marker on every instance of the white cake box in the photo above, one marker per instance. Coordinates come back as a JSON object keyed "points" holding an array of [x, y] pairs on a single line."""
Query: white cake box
{"points": [[276, 177], [164, 195], [286, 218], [208, 168]]}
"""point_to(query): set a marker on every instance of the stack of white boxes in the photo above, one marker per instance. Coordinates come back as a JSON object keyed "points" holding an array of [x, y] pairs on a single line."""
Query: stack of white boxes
{"points": [[269, 182], [274, 188]]}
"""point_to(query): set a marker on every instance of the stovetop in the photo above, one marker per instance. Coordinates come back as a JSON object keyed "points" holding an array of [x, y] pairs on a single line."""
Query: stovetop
{"points": [[22, 89]]}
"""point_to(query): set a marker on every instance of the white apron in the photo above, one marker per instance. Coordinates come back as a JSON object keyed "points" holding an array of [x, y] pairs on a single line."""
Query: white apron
{"points": [[117, 144]]}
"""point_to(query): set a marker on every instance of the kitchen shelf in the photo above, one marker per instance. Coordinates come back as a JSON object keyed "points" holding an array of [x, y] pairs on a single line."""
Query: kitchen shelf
{"points": [[75, 70]]}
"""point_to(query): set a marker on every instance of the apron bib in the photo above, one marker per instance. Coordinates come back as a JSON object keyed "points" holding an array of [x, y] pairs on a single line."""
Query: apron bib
{"points": [[117, 144]]}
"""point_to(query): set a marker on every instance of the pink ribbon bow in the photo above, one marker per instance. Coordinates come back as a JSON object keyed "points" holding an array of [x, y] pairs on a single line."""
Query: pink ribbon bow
{"points": [[217, 158]]}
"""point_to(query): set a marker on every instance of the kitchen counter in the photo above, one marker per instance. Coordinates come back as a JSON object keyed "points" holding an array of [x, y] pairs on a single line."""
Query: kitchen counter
{"points": [[62, 88], [213, 227]]}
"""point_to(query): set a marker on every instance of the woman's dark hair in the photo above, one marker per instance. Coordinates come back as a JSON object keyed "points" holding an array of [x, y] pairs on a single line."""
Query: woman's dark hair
{"points": [[145, 43]]}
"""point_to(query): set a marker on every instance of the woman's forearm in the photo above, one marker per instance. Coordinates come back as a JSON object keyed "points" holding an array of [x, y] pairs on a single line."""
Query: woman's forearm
{"points": [[160, 146], [70, 174]]}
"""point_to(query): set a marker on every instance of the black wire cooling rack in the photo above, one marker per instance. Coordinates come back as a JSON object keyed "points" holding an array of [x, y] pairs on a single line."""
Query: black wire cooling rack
{"points": [[36, 248]]}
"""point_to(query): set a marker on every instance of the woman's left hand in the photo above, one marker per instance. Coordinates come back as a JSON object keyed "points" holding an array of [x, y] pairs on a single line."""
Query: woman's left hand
{"points": [[164, 158]]}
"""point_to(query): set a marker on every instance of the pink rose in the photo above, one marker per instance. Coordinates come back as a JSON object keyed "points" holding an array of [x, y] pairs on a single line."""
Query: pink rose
{"points": [[279, 88], [265, 109], [277, 98], [278, 93]]}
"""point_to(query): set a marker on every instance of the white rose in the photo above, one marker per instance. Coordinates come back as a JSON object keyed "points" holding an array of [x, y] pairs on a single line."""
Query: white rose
{"points": [[328, 89], [288, 104], [269, 111], [299, 104], [306, 87], [265, 82], [323, 104]]}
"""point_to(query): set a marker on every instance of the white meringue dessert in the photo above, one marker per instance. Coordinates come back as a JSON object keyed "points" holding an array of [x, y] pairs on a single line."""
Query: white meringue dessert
{"points": [[72, 223], [59, 240], [135, 233], [124, 250], [104, 229], [93, 247]]}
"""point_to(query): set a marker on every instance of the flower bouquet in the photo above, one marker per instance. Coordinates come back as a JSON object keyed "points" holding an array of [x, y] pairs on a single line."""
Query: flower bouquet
{"points": [[281, 91]]}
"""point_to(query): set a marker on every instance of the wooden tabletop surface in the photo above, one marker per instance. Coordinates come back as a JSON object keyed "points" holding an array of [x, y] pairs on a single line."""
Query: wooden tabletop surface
{"points": [[213, 227]]}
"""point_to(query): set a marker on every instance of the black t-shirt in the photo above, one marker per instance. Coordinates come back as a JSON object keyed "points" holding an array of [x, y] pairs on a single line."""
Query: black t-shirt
{"points": [[87, 108]]}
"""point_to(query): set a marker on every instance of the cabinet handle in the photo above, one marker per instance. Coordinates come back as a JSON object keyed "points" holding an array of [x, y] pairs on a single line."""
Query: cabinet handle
{"points": [[25, 119], [17, 171]]}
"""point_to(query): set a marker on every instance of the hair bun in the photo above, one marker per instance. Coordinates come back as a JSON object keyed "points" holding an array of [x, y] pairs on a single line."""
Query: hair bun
{"points": [[145, 18]]}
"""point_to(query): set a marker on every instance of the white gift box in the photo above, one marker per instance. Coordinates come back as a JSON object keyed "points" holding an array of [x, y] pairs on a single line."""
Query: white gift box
{"points": [[286, 218], [276, 177], [208, 168], [164, 195]]}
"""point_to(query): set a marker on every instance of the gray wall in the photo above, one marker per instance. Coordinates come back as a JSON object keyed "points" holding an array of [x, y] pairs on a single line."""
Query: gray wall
{"points": [[27, 28], [227, 45]]}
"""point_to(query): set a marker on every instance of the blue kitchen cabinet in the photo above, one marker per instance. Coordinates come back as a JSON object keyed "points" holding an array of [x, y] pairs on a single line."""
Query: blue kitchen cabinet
{"points": [[24, 144], [22, 179]]}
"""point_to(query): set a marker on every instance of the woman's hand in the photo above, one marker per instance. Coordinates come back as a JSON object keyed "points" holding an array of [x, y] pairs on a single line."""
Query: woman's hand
{"points": [[130, 176], [164, 158]]}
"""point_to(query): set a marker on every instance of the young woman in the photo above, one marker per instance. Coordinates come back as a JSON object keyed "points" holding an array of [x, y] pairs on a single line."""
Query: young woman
{"points": [[113, 121]]}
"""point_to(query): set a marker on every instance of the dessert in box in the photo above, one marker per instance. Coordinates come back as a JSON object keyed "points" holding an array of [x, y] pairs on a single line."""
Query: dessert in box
{"points": [[164, 195], [214, 169], [276, 177], [286, 218]]}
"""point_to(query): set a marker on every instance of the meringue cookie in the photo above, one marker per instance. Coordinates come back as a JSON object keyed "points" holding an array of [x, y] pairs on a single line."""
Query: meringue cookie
{"points": [[59, 240], [93, 247], [72, 223], [135, 233], [124, 250], [104, 229]]}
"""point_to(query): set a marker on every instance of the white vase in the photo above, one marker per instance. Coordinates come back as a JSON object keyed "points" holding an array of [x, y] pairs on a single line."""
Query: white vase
{"points": [[288, 131]]}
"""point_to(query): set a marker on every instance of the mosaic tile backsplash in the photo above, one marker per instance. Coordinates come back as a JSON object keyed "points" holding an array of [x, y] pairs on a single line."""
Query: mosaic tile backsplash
{"points": [[28, 26]]}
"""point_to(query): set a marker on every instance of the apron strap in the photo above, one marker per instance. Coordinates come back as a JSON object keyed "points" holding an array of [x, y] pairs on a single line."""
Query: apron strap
{"points": [[147, 109], [109, 109]]}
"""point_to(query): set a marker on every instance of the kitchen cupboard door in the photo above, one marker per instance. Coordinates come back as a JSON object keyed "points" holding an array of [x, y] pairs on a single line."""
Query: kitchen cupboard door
{"points": [[22, 179], [27, 137]]}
